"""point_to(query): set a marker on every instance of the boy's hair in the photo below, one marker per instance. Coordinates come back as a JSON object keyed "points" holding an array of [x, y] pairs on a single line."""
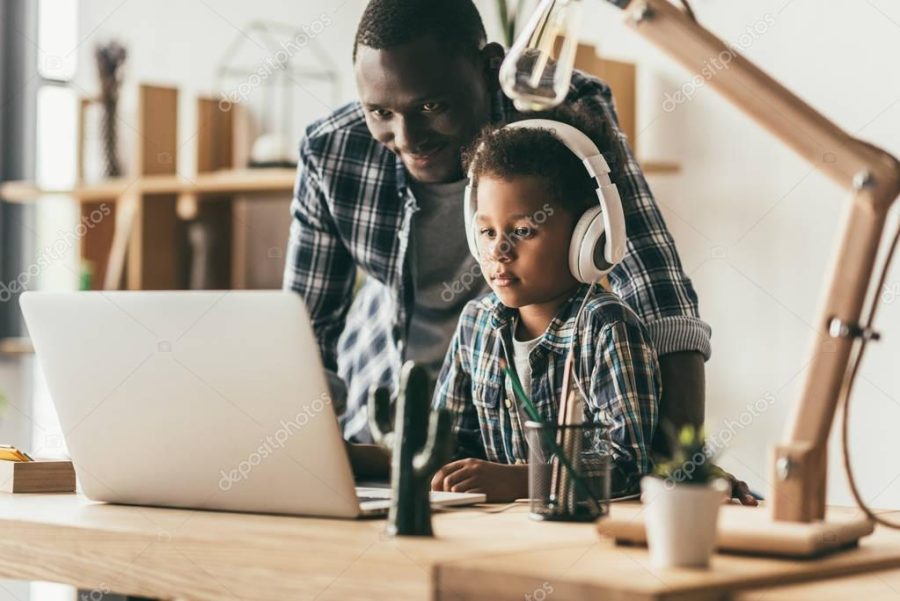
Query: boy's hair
{"points": [[391, 23], [506, 153]]}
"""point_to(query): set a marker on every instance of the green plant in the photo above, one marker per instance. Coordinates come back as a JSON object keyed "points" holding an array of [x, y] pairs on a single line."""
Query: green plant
{"points": [[692, 461], [508, 20], [421, 441]]}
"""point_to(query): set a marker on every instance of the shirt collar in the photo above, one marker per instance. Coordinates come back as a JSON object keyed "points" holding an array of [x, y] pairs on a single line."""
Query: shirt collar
{"points": [[559, 334]]}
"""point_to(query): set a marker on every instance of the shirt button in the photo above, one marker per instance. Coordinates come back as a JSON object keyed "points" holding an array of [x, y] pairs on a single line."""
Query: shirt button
{"points": [[508, 404]]}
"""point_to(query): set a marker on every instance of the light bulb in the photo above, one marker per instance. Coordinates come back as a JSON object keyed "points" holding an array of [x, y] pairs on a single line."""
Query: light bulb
{"points": [[535, 74]]}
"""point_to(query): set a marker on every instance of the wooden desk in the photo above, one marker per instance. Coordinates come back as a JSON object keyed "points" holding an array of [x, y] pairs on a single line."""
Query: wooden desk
{"points": [[600, 570], [170, 553], [200, 555], [874, 586]]}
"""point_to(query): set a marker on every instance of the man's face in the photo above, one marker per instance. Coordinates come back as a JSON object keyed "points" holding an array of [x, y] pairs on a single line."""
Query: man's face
{"points": [[425, 103], [523, 240]]}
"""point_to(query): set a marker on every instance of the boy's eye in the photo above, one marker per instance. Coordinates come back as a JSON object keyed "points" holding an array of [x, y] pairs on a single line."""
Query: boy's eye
{"points": [[380, 113], [523, 232], [486, 232], [432, 107]]}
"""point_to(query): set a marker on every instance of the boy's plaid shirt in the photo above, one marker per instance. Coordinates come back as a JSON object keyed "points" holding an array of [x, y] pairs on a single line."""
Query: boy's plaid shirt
{"points": [[352, 207], [615, 363]]}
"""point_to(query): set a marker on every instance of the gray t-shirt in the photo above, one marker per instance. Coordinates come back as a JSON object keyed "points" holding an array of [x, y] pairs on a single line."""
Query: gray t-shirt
{"points": [[521, 352], [447, 276]]}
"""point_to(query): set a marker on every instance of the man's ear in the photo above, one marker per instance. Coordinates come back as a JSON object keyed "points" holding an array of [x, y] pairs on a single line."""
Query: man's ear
{"points": [[492, 56]]}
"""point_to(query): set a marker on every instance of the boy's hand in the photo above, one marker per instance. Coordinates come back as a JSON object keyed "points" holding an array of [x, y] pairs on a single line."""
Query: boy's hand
{"points": [[501, 483]]}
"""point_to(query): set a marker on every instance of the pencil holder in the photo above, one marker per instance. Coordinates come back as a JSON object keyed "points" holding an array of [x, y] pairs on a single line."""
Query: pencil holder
{"points": [[568, 471]]}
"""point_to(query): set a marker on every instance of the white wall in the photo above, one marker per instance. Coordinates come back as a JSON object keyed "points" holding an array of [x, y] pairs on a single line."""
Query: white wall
{"points": [[754, 224], [183, 43]]}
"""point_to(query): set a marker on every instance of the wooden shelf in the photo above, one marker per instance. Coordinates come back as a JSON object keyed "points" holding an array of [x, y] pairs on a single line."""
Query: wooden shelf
{"points": [[16, 347], [242, 181], [238, 181], [659, 167]]}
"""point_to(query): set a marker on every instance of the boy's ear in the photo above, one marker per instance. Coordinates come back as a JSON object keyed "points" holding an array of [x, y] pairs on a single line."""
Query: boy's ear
{"points": [[492, 56]]}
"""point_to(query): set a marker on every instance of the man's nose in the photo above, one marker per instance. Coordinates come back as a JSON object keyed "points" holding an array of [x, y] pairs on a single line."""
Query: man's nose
{"points": [[407, 134]]}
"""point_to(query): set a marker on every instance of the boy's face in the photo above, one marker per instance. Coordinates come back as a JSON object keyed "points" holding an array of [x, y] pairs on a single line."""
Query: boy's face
{"points": [[426, 103], [523, 240]]}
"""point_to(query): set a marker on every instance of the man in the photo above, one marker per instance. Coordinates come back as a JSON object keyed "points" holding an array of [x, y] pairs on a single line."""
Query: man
{"points": [[380, 187]]}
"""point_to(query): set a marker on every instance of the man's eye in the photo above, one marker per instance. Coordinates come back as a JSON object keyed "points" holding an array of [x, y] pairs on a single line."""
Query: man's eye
{"points": [[380, 113], [432, 107]]}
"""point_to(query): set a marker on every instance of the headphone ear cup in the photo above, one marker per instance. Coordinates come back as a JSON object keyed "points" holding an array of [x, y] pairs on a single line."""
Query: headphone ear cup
{"points": [[469, 220], [586, 250]]}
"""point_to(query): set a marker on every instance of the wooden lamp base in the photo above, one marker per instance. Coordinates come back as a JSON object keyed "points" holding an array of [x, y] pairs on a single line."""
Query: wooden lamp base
{"points": [[751, 530]]}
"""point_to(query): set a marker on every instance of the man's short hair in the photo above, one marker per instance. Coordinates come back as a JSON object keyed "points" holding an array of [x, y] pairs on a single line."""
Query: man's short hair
{"points": [[391, 23]]}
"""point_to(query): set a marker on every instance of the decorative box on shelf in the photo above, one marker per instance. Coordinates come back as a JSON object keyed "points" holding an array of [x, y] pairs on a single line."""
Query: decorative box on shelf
{"points": [[39, 476]]}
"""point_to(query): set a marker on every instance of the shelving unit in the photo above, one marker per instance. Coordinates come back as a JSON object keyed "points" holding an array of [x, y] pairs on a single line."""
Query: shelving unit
{"points": [[143, 242], [15, 347]]}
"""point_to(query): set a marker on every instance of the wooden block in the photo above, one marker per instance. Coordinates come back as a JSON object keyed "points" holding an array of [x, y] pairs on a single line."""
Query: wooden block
{"points": [[752, 530], [37, 476]]}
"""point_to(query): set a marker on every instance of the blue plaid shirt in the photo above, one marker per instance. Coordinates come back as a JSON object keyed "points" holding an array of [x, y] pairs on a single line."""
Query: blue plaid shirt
{"points": [[352, 209], [615, 363]]}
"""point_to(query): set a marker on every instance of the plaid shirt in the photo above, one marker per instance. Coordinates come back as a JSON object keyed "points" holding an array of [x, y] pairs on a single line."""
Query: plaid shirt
{"points": [[352, 208], [615, 363]]}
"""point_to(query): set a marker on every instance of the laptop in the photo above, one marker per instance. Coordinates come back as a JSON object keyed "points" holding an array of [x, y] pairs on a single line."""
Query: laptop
{"points": [[202, 400]]}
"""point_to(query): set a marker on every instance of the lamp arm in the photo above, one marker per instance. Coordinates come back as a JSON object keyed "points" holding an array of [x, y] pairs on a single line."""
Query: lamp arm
{"points": [[871, 174]]}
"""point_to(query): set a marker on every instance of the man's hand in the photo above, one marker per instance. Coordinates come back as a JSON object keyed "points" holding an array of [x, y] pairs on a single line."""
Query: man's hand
{"points": [[501, 483], [740, 491]]}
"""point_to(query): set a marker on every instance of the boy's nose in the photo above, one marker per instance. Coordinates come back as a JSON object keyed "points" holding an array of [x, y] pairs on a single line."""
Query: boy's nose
{"points": [[500, 251]]}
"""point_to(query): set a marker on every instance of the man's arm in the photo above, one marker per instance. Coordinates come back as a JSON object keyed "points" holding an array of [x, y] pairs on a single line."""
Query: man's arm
{"points": [[683, 397], [652, 281], [683, 401], [318, 266]]}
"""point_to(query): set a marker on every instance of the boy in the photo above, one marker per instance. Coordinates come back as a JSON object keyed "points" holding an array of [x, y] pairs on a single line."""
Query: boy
{"points": [[531, 190]]}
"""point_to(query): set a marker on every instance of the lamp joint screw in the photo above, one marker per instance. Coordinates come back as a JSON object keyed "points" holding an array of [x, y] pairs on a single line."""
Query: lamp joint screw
{"points": [[862, 180], [783, 468], [642, 13]]}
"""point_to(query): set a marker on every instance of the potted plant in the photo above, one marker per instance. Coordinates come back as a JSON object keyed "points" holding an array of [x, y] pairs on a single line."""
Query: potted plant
{"points": [[681, 504]]}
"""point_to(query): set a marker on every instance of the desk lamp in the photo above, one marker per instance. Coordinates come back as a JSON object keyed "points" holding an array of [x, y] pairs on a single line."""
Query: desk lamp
{"points": [[537, 78]]}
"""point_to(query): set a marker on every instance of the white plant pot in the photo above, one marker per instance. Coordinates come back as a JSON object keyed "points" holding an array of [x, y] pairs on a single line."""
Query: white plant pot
{"points": [[681, 521]]}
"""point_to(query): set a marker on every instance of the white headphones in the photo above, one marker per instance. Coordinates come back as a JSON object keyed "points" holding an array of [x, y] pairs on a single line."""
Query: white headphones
{"points": [[601, 227]]}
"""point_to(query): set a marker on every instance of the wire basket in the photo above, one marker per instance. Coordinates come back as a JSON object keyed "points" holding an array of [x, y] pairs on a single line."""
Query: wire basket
{"points": [[569, 471]]}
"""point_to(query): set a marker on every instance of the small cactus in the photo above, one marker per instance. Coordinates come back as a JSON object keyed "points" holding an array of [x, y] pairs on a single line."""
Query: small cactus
{"points": [[421, 441]]}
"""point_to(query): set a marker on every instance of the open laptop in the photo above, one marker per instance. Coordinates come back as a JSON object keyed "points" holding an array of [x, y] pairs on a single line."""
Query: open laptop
{"points": [[208, 400]]}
